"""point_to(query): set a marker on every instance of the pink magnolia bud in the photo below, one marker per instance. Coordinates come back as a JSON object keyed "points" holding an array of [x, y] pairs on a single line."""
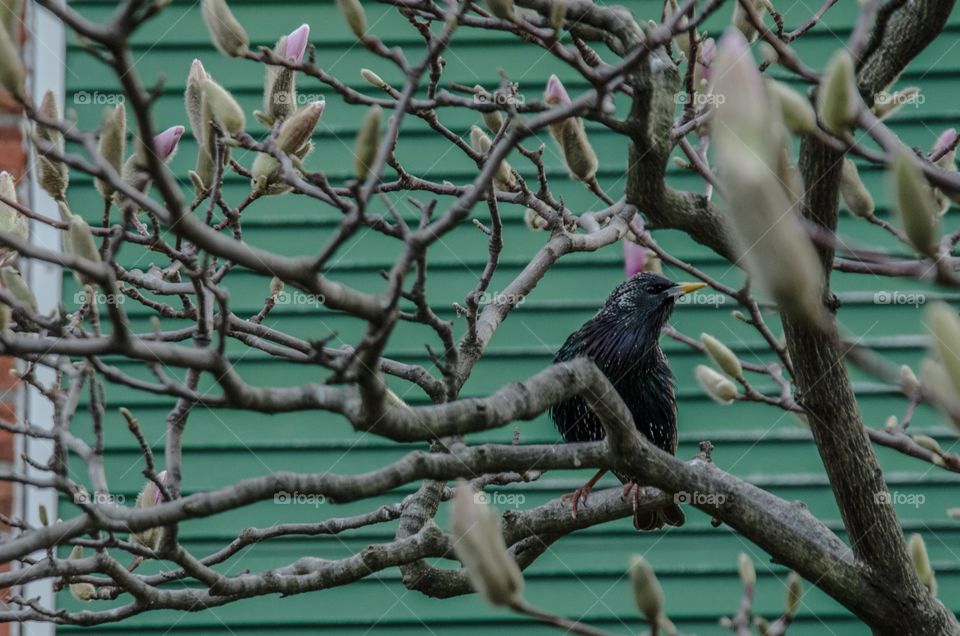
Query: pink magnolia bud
{"points": [[555, 93], [166, 142], [706, 54], [634, 255], [946, 139], [297, 43], [164, 478]]}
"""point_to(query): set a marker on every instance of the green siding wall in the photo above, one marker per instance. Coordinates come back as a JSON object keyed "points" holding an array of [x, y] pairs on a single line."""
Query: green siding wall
{"points": [[583, 574]]}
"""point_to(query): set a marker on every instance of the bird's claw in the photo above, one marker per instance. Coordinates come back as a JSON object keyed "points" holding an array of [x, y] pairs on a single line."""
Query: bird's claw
{"points": [[634, 490], [576, 496]]}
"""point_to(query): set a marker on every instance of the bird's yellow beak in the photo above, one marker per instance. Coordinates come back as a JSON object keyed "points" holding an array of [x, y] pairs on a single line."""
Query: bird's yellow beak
{"points": [[687, 288]]}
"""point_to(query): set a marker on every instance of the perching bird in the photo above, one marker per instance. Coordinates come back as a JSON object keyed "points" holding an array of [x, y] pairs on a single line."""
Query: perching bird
{"points": [[622, 339]]}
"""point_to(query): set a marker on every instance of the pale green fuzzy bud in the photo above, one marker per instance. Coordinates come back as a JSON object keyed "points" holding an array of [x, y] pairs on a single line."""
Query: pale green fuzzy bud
{"points": [[794, 594], [276, 287], [748, 574], [79, 241], [722, 356], [741, 20], [944, 326], [81, 591], [578, 154], [762, 625], [372, 78], [493, 120], [653, 264], [767, 53], [228, 34], [479, 544], [797, 112], [42, 513], [368, 142], [908, 380], [921, 563], [558, 12], [855, 195], [6, 317], [11, 67], [193, 99], [14, 283], [915, 203], [223, 107], [836, 99], [281, 100], [891, 423], [533, 220], [715, 385], [503, 9], [297, 129], [355, 16], [52, 173], [927, 442], [681, 35], [503, 178], [940, 388], [112, 144], [647, 592], [10, 219]]}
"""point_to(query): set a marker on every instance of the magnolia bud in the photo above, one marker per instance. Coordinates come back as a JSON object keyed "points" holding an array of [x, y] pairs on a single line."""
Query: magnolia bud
{"points": [[149, 497], [223, 107], [479, 544], [112, 144], [11, 17], [944, 326], [42, 513], [79, 242], [227, 33], [11, 68], [797, 112], [503, 178], [921, 563], [646, 588], [14, 283], [855, 194], [193, 99], [52, 173], [794, 593], [353, 13], [939, 386], [493, 120], [722, 356], [533, 220], [276, 287], [748, 574], [372, 78], [681, 36], [741, 19], [579, 155], [368, 142], [927, 442], [891, 423], [715, 385], [653, 265], [915, 203], [279, 89], [297, 129], [558, 12], [10, 219], [503, 9], [946, 146], [767, 53], [836, 99], [908, 380], [81, 591]]}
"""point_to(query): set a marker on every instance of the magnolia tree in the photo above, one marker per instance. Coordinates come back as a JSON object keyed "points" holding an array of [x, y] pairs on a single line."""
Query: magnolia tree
{"points": [[774, 164]]}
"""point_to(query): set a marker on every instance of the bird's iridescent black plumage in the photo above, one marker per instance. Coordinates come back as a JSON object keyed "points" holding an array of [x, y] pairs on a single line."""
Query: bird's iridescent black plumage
{"points": [[622, 339]]}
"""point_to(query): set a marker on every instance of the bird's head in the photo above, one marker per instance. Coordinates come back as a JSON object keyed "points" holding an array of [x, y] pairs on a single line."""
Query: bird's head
{"points": [[646, 300]]}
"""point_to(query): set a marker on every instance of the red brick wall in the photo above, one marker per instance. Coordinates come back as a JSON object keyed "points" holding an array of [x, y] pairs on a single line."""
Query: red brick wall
{"points": [[13, 159]]}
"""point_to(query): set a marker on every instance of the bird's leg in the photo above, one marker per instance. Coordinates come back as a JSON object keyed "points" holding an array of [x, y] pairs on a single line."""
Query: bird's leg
{"points": [[582, 492], [633, 489]]}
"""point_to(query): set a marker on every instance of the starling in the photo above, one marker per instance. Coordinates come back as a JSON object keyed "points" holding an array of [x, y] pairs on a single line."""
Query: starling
{"points": [[622, 339]]}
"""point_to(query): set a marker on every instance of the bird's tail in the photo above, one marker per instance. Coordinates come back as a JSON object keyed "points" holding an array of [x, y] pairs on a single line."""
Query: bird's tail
{"points": [[648, 520]]}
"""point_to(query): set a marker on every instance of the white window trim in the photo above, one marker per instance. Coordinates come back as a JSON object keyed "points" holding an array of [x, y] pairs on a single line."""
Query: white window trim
{"points": [[45, 53]]}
